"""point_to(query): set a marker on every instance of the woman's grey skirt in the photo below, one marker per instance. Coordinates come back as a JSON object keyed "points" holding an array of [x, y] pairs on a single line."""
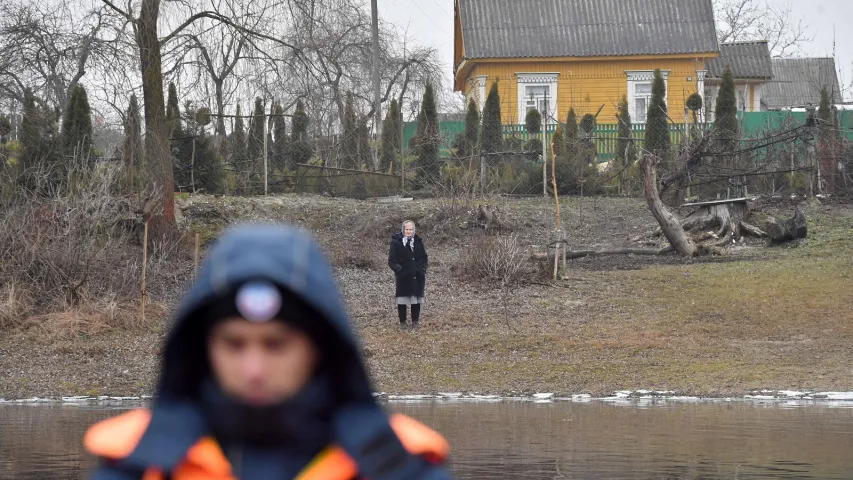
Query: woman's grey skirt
{"points": [[409, 300]]}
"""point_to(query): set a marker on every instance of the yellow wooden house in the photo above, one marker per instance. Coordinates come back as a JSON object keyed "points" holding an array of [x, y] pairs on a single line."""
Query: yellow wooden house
{"points": [[553, 55]]}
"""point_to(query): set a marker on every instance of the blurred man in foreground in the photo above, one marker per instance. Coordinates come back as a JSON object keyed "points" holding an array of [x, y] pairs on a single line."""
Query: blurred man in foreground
{"points": [[262, 378]]}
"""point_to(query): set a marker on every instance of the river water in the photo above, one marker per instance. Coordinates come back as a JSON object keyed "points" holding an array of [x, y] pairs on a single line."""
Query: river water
{"points": [[527, 440]]}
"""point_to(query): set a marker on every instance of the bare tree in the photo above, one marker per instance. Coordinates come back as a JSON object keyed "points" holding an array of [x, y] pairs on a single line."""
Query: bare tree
{"points": [[745, 20], [150, 45], [48, 47], [334, 37]]}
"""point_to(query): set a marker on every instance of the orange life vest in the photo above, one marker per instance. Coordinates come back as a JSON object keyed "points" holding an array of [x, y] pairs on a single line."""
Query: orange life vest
{"points": [[117, 437]]}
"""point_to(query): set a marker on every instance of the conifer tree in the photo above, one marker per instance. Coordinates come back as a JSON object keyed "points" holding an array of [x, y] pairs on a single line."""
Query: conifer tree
{"points": [[37, 134], [491, 136], [255, 141], [390, 138], [350, 157], [5, 129], [132, 148], [625, 153], [280, 140], [238, 145], [182, 143], [563, 172], [725, 112], [472, 129], [533, 125], [657, 138], [572, 135], [173, 112], [77, 125], [301, 149], [428, 143]]}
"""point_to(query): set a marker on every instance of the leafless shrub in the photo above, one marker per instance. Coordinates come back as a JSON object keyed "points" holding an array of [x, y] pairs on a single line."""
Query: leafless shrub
{"points": [[496, 260], [359, 255], [15, 303], [66, 244]]}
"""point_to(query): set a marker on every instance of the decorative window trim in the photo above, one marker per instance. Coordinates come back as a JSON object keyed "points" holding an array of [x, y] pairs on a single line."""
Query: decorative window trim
{"points": [[642, 76], [758, 91], [545, 79], [481, 91], [700, 89]]}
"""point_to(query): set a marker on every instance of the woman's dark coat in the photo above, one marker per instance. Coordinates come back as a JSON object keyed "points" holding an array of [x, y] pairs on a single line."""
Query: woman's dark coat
{"points": [[409, 266]]}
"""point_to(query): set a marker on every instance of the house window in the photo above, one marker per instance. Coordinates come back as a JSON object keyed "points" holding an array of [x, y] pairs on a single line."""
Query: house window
{"points": [[640, 92], [642, 99], [742, 94], [536, 97], [539, 91]]}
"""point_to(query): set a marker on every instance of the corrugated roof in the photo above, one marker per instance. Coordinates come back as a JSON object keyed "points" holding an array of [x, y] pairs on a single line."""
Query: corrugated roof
{"points": [[797, 82], [585, 28], [746, 59]]}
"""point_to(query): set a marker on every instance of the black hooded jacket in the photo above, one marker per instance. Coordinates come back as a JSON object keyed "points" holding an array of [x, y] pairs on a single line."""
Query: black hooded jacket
{"points": [[342, 399]]}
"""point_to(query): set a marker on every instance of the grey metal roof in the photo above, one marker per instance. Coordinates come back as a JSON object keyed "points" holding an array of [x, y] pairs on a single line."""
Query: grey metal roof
{"points": [[746, 59], [584, 28], [797, 82]]}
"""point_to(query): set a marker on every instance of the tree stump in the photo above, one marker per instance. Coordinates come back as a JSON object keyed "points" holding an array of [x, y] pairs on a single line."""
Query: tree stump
{"points": [[780, 230]]}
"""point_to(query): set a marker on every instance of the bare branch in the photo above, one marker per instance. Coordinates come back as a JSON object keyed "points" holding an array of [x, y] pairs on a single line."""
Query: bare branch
{"points": [[121, 12]]}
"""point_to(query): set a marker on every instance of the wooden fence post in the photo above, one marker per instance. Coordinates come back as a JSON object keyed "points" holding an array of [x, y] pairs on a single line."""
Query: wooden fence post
{"points": [[144, 271], [197, 248]]}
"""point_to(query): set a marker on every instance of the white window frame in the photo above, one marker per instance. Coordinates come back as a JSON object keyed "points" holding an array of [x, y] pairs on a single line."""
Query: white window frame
{"points": [[537, 79], [481, 91], [700, 89], [710, 102], [638, 77], [742, 97], [756, 96]]}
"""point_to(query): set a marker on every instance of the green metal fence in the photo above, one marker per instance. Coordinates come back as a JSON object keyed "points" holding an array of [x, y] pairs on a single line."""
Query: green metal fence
{"points": [[753, 125]]}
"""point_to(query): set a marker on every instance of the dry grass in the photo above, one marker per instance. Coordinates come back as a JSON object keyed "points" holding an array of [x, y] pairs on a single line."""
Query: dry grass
{"points": [[759, 318], [779, 318]]}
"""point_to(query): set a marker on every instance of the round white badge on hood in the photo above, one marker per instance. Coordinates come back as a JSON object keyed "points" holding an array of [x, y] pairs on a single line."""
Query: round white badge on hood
{"points": [[258, 301]]}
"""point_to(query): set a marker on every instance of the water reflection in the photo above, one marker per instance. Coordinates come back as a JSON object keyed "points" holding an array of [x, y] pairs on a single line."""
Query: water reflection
{"points": [[537, 441]]}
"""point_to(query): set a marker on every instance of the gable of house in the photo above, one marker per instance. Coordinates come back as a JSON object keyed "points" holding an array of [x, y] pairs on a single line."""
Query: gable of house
{"points": [[797, 82], [585, 28], [751, 67], [747, 60]]}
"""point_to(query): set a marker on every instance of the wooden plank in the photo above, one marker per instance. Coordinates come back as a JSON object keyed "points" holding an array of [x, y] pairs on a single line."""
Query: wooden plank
{"points": [[716, 202]]}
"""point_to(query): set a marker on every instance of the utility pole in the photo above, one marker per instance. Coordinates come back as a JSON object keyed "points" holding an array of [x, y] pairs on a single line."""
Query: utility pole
{"points": [[377, 101], [266, 168], [545, 149], [402, 150]]}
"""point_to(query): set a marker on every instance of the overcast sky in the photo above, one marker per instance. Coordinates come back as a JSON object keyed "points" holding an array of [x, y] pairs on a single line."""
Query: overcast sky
{"points": [[431, 22]]}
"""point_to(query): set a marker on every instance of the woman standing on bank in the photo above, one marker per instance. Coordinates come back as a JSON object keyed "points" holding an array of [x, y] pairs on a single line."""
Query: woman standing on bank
{"points": [[408, 258]]}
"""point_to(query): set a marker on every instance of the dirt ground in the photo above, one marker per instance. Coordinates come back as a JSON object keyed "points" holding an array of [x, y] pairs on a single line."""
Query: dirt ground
{"points": [[759, 317]]}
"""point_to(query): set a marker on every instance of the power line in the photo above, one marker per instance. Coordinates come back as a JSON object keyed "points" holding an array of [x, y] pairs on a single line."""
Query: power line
{"points": [[415, 2]]}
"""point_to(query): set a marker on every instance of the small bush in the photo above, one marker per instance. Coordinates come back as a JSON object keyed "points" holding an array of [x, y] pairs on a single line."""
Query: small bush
{"points": [[496, 260]]}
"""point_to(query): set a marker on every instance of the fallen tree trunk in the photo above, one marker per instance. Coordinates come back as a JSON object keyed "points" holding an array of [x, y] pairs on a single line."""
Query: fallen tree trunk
{"points": [[573, 254], [617, 251], [669, 223]]}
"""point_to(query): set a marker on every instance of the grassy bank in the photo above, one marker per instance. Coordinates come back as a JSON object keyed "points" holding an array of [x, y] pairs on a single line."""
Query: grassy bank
{"points": [[760, 317]]}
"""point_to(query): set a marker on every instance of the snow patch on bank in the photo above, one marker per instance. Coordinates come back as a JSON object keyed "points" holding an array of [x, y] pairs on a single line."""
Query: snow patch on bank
{"points": [[642, 398]]}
